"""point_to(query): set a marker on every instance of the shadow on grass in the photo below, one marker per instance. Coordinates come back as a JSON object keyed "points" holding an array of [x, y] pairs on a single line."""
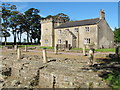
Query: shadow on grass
{"points": [[109, 69]]}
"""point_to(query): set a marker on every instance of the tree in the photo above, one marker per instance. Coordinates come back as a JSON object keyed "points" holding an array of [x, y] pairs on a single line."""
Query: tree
{"points": [[20, 23], [14, 24], [32, 24], [62, 16], [6, 14], [117, 35], [5, 34], [24, 40]]}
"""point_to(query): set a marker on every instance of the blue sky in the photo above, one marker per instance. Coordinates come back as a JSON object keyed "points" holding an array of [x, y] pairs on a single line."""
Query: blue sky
{"points": [[75, 10]]}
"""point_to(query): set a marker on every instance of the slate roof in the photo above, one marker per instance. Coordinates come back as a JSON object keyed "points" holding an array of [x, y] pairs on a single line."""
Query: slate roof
{"points": [[79, 23]]}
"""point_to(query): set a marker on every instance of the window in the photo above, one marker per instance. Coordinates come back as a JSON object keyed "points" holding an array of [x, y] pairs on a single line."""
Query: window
{"points": [[87, 29], [59, 41], [87, 41], [59, 31], [46, 41], [76, 29]]}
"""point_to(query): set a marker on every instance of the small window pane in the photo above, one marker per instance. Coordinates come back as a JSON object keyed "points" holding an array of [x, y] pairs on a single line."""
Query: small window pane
{"points": [[87, 41], [76, 29], [59, 41], [87, 29]]}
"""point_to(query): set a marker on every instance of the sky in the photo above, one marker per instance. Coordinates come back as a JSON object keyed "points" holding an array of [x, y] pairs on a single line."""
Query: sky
{"points": [[75, 10]]}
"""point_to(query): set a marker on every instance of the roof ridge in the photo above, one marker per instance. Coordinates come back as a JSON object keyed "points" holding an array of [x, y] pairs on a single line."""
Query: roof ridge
{"points": [[79, 22], [83, 20]]}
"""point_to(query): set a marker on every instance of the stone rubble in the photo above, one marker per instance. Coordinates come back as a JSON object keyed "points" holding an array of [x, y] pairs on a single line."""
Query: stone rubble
{"points": [[31, 72]]}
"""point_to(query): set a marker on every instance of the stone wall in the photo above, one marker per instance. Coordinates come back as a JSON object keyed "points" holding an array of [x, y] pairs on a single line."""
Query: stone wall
{"points": [[105, 35], [47, 32], [30, 72], [76, 38]]}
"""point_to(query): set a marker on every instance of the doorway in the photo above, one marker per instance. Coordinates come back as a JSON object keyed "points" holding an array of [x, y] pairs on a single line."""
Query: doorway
{"points": [[66, 43]]}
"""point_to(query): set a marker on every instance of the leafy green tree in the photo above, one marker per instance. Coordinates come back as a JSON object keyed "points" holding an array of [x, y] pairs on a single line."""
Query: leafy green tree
{"points": [[21, 24], [117, 35], [32, 24], [6, 14], [14, 24], [62, 16]]}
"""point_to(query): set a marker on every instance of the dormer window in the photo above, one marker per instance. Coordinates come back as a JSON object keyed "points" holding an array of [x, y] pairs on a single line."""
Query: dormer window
{"points": [[87, 29]]}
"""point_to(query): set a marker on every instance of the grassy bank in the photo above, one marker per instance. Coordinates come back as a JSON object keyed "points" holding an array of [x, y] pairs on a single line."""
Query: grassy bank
{"points": [[114, 80]]}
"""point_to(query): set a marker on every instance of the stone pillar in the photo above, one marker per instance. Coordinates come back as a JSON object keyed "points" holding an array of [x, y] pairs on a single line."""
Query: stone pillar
{"points": [[84, 53], [25, 48], [44, 56], [56, 49], [15, 47], [19, 53]]}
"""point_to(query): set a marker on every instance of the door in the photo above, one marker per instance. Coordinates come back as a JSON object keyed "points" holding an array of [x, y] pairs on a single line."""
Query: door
{"points": [[66, 43]]}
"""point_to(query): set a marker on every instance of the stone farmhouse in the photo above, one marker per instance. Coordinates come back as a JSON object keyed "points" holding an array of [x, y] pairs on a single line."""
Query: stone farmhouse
{"points": [[76, 34]]}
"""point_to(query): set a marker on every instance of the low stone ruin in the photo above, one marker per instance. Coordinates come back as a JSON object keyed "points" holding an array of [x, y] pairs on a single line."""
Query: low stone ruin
{"points": [[31, 72]]}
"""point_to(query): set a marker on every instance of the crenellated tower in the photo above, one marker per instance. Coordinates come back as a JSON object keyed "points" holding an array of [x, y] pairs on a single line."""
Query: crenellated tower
{"points": [[47, 31]]}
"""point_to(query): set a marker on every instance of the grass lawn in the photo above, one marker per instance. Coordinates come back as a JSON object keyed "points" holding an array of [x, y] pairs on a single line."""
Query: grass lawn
{"points": [[41, 47], [98, 50], [28, 45], [106, 50]]}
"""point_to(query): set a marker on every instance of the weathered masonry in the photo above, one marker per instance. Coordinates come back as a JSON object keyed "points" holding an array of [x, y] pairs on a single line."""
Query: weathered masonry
{"points": [[77, 33]]}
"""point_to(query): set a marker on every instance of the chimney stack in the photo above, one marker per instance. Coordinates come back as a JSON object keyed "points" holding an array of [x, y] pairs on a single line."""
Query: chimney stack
{"points": [[102, 14]]}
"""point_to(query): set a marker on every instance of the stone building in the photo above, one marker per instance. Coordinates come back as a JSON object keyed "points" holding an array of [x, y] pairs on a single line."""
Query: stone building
{"points": [[76, 34]]}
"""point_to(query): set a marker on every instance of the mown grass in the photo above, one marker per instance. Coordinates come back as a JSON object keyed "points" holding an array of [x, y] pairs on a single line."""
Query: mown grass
{"points": [[106, 50], [76, 49], [41, 47], [28, 45], [98, 50]]}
